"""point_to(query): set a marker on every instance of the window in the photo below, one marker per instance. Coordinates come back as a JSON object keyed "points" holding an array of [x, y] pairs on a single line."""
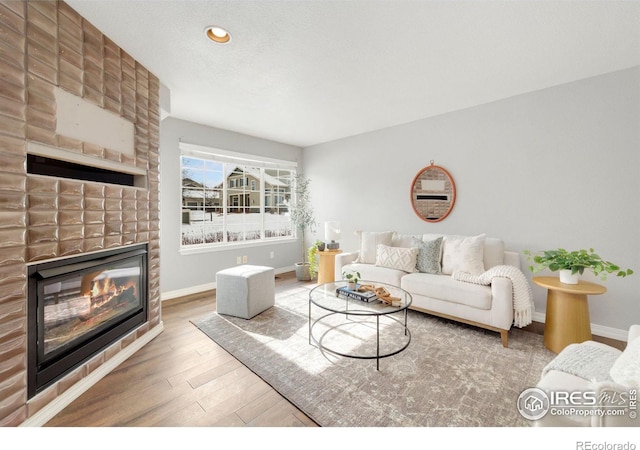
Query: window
{"points": [[230, 199]]}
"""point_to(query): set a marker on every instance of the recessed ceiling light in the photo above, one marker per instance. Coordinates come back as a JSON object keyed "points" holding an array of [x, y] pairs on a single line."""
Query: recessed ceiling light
{"points": [[217, 34]]}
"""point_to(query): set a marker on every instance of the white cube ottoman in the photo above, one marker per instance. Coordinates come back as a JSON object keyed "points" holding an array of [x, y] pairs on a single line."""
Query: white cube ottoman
{"points": [[245, 291]]}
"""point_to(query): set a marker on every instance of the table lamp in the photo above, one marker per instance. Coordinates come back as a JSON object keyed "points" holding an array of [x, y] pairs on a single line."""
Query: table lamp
{"points": [[332, 234]]}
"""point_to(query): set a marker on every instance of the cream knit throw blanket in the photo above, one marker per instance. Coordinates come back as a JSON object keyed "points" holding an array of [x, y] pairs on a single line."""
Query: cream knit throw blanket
{"points": [[523, 306], [589, 360]]}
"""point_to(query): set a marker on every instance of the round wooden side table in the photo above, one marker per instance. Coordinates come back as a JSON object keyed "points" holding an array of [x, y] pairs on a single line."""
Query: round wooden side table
{"points": [[567, 318], [327, 266]]}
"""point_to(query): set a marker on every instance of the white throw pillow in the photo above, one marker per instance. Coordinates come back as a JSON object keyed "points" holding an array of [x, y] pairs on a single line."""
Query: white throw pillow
{"points": [[398, 258], [369, 241], [493, 253], [463, 254], [403, 240], [626, 369]]}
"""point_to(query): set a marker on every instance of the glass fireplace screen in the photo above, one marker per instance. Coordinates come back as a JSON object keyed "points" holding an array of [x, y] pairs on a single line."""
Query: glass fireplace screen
{"points": [[78, 306]]}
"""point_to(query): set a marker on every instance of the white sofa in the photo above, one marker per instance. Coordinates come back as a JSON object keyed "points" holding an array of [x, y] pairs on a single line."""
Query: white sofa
{"points": [[488, 306], [594, 373]]}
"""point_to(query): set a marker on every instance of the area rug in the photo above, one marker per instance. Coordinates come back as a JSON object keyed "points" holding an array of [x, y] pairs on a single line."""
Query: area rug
{"points": [[450, 375]]}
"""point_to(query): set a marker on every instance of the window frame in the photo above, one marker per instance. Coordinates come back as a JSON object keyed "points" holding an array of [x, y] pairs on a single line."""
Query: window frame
{"points": [[245, 183]]}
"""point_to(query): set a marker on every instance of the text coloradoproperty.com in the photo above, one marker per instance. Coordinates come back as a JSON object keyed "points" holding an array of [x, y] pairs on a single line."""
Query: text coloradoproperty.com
{"points": [[570, 411]]}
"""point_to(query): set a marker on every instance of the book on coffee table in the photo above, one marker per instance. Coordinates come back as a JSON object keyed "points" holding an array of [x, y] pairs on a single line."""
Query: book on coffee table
{"points": [[366, 296]]}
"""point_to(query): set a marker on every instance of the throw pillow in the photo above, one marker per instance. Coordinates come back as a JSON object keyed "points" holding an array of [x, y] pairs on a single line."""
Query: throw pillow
{"points": [[626, 369], [403, 240], [369, 241], [463, 254], [428, 260], [399, 258]]}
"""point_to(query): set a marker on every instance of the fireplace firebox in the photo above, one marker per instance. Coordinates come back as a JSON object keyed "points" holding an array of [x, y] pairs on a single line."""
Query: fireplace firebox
{"points": [[78, 306]]}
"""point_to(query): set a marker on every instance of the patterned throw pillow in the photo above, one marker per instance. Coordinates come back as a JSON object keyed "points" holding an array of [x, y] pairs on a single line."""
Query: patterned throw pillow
{"points": [[397, 258], [428, 260]]}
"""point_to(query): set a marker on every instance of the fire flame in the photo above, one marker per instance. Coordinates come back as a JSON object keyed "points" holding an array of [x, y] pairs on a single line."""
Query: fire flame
{"points": [[103, 287], [104, 290]]}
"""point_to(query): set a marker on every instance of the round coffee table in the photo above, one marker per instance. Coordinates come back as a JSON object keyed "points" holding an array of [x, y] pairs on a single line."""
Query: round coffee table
{"points": [[357, 329]]}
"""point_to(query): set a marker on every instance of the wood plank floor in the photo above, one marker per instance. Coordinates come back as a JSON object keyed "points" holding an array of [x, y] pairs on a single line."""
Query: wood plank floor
{"points": [[183, 379]]}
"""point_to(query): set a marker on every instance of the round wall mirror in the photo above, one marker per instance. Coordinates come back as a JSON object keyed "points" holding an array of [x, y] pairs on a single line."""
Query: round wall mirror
{"points": [[433, 193]]}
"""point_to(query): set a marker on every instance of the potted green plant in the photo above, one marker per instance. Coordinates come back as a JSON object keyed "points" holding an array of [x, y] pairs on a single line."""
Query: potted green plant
{"points": [[352, 277], [301, 213], [313, 257], [572, 264]]}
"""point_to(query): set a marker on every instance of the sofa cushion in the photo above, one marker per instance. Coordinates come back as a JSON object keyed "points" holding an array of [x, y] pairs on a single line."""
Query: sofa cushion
{"points": [[370, 273], [429, 253], [443, 287], [626, 369], [464, 254], [369, 241], [493, 254], [403, 240], [399, 258]]}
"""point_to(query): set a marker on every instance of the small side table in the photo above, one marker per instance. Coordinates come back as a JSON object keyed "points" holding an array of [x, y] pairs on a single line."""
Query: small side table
{"points": [[327, 266], [567, 318]]}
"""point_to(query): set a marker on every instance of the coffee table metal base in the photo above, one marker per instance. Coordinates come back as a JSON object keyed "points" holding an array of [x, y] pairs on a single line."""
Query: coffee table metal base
{"points": [[377, 356]]}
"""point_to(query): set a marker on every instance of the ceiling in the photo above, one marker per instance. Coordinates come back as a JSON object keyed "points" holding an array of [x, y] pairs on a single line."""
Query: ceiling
{"points": [[307, 72]]}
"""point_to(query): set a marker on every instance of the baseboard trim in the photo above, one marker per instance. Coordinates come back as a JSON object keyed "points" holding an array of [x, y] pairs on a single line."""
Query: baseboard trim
{"points": [[49, 411], [170, 295], [596, 330]]}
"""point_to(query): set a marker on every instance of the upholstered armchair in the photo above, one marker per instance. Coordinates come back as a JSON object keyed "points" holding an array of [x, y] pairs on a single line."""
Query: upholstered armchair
{"points": [[604, 381]]}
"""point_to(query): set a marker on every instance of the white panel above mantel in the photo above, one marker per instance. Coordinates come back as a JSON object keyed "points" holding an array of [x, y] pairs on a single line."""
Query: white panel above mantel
{"points": [[84, 121]]}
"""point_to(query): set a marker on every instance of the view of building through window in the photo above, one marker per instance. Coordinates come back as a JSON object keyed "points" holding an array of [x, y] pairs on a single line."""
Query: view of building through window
{"points": [[224, 202]]}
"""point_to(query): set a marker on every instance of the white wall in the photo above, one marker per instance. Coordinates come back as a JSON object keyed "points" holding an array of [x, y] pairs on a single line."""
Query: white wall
{"points": [[181, 274], [554, 168]]}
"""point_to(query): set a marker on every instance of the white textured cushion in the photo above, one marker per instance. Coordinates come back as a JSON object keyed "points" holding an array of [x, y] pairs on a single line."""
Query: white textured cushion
{"points": [[369, 241], [626, 369], [398, 258], [464, 254], [493, 249], [403, 240], [493, 252]]}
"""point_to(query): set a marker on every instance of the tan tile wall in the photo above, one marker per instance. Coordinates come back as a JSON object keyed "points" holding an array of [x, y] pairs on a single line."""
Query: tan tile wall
{"points": [[45, 44]]}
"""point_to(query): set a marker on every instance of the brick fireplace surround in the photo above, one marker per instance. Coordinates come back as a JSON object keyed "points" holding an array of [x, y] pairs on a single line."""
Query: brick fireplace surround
{"points": [[46, 45]]}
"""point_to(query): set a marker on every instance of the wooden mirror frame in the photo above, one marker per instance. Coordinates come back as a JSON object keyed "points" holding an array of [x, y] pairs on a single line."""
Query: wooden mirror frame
{"points": [[439, 201]]}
